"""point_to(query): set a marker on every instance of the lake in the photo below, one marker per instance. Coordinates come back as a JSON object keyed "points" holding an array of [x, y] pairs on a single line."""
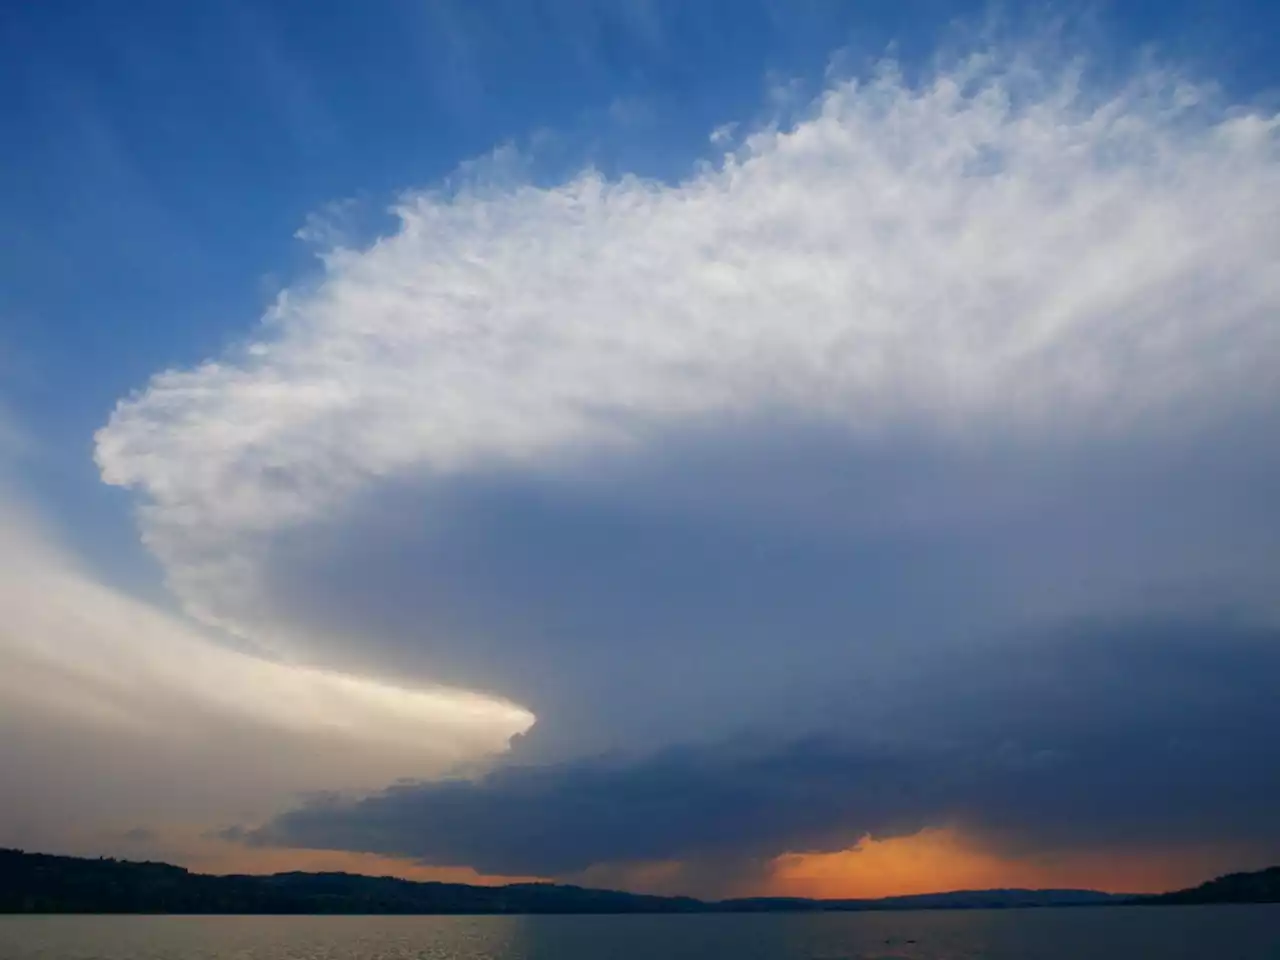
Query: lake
{"points": [[1080, 933]]}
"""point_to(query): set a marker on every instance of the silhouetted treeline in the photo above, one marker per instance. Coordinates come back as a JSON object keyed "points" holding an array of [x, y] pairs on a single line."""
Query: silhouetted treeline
{"points": [[43, 883], [1262, 886]]}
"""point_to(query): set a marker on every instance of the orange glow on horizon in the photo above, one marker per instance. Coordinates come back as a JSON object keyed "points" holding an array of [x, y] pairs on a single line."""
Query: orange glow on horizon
{"points": [[939, 860], [931, 861]]}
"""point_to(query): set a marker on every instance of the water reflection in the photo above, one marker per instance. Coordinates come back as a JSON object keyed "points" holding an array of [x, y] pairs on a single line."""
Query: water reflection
{"points": [[1098, 933]]}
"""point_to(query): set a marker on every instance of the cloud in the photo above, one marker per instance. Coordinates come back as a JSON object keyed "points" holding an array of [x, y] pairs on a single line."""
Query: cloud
{"points": [[112, 711], [1124, 737], [557, 819], [999, 249], [785, 487]]}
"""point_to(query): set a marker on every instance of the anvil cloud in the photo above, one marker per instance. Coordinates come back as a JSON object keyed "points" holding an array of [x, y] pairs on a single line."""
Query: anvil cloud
{"points": [[884, 395]]}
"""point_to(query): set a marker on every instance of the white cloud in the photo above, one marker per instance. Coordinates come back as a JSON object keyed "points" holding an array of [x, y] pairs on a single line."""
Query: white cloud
{"points": [[996, 252], [112, 711]]}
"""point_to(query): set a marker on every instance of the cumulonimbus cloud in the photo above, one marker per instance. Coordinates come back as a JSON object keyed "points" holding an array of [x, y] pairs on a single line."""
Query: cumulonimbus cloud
{"points": [[1075, 758], [773, 447], [1000, 248]]}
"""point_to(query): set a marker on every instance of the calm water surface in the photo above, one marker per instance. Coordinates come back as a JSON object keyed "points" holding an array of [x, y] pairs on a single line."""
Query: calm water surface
{"points": [[1084, 933]]}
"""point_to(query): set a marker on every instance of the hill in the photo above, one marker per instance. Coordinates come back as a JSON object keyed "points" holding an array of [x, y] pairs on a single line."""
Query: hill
{"points": [[953, 900], [44, 883], [1262, 886]]}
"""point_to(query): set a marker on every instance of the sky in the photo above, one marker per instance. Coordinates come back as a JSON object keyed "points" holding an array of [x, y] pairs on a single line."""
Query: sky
{"points": [[817, 449]]}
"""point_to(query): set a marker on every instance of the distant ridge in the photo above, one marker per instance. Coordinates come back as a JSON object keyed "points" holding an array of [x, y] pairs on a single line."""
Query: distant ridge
{"points": [[1261, 886], [953, 900], [45, 883]]}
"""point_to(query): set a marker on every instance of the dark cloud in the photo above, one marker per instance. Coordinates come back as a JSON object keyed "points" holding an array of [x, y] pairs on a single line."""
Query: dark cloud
{"points": [[827, 441], [1142, 735], [750, 578]]}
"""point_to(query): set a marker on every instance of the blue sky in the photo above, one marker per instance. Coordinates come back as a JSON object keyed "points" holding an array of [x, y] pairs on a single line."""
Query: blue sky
{"points": [[353, 488], [168, 154]]}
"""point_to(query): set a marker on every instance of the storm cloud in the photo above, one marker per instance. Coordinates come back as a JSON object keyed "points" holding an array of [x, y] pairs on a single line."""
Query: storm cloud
{"points": [[907, 465], [1000, 251], [1123, 737]]}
